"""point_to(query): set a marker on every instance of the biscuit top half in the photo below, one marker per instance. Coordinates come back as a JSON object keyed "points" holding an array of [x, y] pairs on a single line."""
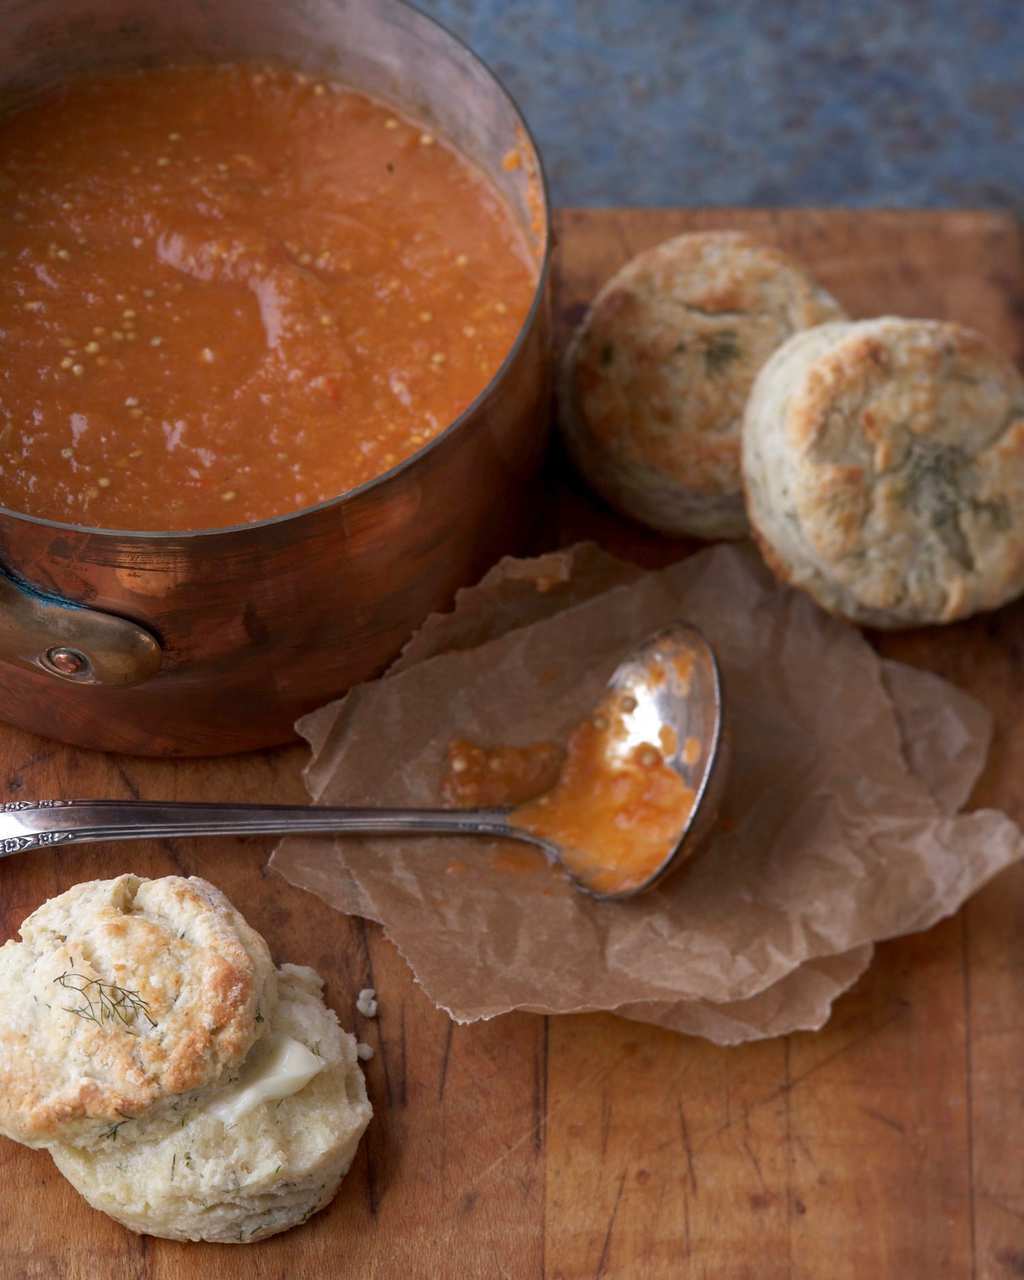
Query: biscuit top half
{"points": [[122, 998], [669, 350]]}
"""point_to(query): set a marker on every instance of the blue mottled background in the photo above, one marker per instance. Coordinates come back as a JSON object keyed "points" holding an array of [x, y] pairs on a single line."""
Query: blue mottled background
{"points": [[702, 102]]}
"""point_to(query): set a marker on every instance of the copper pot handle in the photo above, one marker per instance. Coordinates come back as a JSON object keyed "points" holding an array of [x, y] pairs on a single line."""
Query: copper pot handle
{"points": [[71, 641]]}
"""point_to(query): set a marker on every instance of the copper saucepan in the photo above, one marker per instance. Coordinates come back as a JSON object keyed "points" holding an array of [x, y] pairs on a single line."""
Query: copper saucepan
{"points": [[213, 642]]}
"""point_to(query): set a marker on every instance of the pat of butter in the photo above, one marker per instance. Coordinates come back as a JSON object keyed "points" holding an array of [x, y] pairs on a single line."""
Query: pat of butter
{"points": [[277, 1067]]}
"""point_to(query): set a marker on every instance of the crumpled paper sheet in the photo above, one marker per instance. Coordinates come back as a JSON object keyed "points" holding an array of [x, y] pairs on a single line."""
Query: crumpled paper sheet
{"points": [[839, 825]]}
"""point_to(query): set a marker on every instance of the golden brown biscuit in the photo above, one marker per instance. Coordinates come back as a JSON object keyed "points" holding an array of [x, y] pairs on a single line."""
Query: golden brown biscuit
{"points": [[884, 468], [656, 378], [122, 998]]}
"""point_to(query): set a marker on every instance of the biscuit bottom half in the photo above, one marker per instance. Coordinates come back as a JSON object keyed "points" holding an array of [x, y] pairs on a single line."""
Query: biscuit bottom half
{"points": [[193, 1175]]}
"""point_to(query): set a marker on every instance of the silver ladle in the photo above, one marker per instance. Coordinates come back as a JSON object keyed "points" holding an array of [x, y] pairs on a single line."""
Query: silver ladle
{"points": [[683, 712]]}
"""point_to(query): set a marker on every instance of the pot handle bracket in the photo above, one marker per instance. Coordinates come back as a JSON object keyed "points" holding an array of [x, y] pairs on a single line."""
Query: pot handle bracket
{"points": [[70, 641]]}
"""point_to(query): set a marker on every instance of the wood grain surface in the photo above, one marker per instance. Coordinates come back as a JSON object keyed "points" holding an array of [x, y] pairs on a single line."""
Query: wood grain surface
{"points": [[887, 1145]]}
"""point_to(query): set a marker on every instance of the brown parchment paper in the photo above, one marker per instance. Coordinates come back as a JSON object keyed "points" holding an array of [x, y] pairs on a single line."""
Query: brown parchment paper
{"points": [[839, 826]]}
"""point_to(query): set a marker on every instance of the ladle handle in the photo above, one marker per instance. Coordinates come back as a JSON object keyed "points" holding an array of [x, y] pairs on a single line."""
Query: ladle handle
{"points": [[30, 825]]}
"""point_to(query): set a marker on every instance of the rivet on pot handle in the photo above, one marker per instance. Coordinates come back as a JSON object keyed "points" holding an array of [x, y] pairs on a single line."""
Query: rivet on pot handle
{"points": [[70, 641]]}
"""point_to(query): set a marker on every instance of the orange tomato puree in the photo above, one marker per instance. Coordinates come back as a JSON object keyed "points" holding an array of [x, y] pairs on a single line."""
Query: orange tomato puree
{"points": [[482, 777], [615, 807], [616, 814], [233, 292]]}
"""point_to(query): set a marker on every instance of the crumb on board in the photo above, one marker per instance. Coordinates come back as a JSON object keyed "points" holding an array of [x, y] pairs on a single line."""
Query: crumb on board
{"points": [[364, 1052], [366, 1002]]}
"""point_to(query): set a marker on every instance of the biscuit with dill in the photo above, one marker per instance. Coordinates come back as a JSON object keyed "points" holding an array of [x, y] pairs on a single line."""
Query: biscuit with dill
{"points": [[884, 469], [122, 997], [221, 1171], [655, 380]]}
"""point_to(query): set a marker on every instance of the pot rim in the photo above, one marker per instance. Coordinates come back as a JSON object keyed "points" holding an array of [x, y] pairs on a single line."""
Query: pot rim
{"points": [[499, 376]]}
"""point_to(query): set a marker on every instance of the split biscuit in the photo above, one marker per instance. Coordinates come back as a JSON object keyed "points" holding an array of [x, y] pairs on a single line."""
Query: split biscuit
{"points": [[225, 1168]]}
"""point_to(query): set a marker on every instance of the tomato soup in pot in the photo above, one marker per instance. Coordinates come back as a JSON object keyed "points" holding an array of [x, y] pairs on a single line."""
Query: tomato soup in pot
{"points": [[235, 291]]}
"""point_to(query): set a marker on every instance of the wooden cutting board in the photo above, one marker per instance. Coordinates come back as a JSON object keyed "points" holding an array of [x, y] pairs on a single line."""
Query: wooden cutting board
{"points": [[887, 1145]]}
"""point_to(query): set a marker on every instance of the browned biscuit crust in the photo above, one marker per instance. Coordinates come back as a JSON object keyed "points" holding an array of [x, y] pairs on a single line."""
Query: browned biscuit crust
{"points": [[122, 997], [884, 469], [656, 378]]}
